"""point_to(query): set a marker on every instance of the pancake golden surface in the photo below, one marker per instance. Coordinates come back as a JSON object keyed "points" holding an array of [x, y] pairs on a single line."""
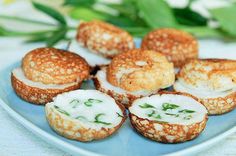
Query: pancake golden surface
{"points": [[212, 81], [176, 45], [210, 74], [54, 66], [140, 70], [103, 38]]}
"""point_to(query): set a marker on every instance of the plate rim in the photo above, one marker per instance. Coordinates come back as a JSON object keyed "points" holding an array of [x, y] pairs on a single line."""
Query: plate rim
{"points": [[72, 149]]}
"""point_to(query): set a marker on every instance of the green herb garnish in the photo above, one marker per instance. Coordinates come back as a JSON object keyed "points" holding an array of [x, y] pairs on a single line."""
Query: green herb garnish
{"points": [[151, 114], [158, 116], [61, 110], [81, 117], [154, 114], [74, 102], [146, 105], [186, 111], [138, 17], [166, 106], [188, 117], [91, 101], [119, 115], [97, 120], [176, 115], [94, 100]]}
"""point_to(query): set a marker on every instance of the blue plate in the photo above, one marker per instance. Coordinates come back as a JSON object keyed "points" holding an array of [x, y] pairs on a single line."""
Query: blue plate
{"points": [[125, 142]]}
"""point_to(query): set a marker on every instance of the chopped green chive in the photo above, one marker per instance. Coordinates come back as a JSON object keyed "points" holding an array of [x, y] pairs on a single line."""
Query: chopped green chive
{"points": [[61, 110], [94, 100], [75, 103], [176, 115], [81, 117], [188, 117], [151, 114], [90, 102], [99, 121], [158, 116], [146, 105], [166, 106], [186, 111], [119, 115]]}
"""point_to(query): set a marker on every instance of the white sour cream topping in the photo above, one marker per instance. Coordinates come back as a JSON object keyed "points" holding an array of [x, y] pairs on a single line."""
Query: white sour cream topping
{"points": [[86, 105], [200, 93], [101, 76], [186, 111], [19, 74]]}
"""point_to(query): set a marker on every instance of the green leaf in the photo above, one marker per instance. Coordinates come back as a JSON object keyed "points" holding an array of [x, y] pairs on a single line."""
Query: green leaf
{"points": [[61, 110], [137, 31], [87, 14], [36, 39], [51, 12], [156, 13], [7, 32], [166, 106], [56, 37], [146, 105], [25, 20], [226, 18], [204, 32], [187, 16], [79, 2]]}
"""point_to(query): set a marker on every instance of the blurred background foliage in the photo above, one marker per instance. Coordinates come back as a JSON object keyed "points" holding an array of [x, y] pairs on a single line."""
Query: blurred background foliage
{"points": [[138, 17]]}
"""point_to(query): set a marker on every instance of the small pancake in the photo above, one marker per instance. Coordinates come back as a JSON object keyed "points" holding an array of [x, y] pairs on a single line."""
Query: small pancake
{"points": [[84, 115]]}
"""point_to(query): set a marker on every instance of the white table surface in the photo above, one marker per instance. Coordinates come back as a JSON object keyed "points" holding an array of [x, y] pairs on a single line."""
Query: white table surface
{"points": [[16, 140]]}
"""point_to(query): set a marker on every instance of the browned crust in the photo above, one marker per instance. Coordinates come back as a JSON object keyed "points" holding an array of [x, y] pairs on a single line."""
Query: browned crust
{"points": [[165, 132], [180, 133], [72, 129], [36, 95], [91, 35], [220, 105], [54, 66], [124, 99], [176, 45], [154, 72], [222, 67], [218, 67]]}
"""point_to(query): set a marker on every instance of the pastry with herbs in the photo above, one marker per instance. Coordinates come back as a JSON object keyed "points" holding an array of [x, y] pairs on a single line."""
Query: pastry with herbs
{"points": [[176, 45], [168, 117], [134, 74], [85, 115], [212, 81], [46, 72], [103, 38]]}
